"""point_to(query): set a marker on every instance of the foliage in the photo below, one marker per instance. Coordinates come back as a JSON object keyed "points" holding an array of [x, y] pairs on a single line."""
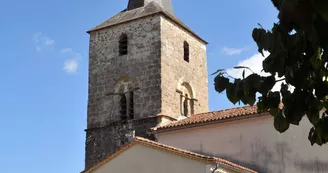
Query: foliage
{"points": [[298, 46]]}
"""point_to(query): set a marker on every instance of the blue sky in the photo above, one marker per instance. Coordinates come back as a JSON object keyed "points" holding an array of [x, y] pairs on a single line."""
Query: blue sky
{"points": [[44, 67]]}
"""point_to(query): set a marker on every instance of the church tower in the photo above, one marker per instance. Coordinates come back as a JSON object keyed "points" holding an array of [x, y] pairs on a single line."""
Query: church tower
{"points": [[145, 68]]}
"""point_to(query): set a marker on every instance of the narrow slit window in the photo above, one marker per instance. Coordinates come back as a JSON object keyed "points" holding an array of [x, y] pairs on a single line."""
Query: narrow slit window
{"points": [[123, 106], [185, 106], [123, 44], [186, 51], [131, 105]]}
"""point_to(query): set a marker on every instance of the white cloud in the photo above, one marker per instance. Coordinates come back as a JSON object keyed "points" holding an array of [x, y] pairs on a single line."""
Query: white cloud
{"points": [[233, 51], [42, 41], [255, 64], [77, 55], [66, 50], [37, 36], [38, 48], [49, 42], [71, 66]]}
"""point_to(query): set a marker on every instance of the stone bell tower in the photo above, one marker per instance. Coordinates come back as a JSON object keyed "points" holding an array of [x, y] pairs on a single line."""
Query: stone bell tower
{"points": [[145, 68]]}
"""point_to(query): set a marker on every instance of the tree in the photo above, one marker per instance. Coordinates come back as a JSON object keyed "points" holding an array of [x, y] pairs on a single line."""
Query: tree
{"points": [[298, 46]]}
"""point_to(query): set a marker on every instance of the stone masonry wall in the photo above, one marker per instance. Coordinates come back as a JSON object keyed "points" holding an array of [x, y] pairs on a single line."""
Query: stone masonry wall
{"points": [[106, 67], [103, 141], [175, 70], [141, 64]]}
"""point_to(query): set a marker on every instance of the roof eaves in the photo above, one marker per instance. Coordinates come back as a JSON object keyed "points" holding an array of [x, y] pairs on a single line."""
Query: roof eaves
{"points": [[180, 23], [110, 157], [118, 23], [206, 122], [166, 14], [155, 145]]}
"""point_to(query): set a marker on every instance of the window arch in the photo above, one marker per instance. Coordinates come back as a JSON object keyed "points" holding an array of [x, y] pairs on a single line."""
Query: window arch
{"points": [[125, 89], [186, 51], [123, 44], [187, 98]]}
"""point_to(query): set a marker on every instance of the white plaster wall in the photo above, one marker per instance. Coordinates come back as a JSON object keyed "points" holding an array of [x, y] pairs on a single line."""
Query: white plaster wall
{"points": [[254, 143], [141, 159]]}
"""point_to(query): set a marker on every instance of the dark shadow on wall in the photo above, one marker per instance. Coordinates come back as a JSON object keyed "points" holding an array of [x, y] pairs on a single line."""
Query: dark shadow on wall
{"points": [[311, 166]]}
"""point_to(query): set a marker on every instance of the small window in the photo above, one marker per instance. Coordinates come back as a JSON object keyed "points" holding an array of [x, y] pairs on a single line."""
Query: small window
{"points": [[131, 105], [123, 107], [186, 51], [123, 44], [185, 106]]}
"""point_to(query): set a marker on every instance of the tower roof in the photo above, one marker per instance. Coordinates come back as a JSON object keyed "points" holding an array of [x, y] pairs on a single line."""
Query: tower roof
{"points": [[142, 8], [165, 4]]}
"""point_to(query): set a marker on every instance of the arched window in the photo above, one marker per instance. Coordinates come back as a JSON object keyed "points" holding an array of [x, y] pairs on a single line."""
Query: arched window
{"points": [[123, 44], [124, 92], [187, 99], [123, 106], [186, 51]]}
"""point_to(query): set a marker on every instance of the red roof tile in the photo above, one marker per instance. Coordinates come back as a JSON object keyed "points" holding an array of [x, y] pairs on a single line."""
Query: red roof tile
{"points": [[212, 116]]}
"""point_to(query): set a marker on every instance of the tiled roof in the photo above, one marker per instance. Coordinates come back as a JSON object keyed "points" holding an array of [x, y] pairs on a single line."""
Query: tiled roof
{"points": [[212, 116], [166, 4], [148, 10], [167, 148]]}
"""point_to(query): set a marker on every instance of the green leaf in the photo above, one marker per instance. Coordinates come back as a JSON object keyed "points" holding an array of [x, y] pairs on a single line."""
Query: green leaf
{"points": [[280, 123], [316, 59], [319, 132], [253, 81], [258, 34], [313, 115], [321, 6], [313, 37], [221, 83], [231, 93], [261, 105], [312, 136], [250, 97], [267, 84], [295, 107], [284, 90], [274, 98], [273, 111], [235, 91], [321, 89]]}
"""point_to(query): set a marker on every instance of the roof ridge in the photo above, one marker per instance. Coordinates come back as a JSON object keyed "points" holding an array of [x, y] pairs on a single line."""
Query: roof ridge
{"points": [[227, 109], [212, 116], [143, 12]]}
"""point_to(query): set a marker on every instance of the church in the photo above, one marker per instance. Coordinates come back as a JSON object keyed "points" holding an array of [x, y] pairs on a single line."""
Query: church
{"points": [[148, 106]]}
